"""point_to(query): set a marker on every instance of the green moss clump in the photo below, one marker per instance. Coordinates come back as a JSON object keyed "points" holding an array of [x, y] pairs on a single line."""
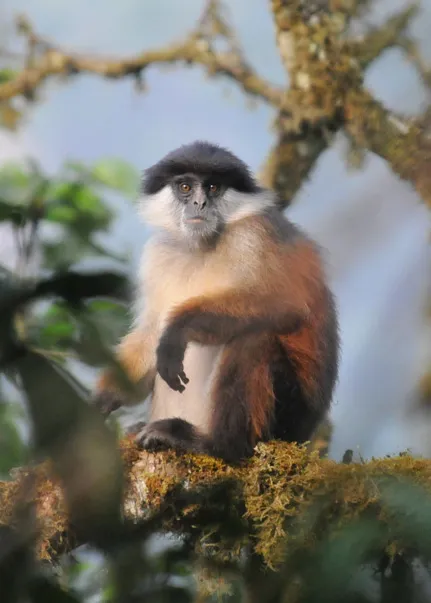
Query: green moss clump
{"points": [[283, 499]]}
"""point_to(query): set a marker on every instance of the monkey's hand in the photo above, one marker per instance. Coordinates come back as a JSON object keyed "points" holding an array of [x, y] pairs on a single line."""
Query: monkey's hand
{"points": [[170, 355]]}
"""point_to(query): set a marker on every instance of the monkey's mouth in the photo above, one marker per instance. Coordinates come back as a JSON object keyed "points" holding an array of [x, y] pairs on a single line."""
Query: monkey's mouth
{"points": [[196, 220]]}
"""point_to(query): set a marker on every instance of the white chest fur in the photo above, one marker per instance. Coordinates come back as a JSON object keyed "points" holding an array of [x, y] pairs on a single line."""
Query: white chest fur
{"points": [[195, 403], [170, 278]]}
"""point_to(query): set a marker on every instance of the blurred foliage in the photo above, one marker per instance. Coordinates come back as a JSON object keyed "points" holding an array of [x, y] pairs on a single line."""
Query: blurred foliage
{"points": [[9, 115], [54, 312]]}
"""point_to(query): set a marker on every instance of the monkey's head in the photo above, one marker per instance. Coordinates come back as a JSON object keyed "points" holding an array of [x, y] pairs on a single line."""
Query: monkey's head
{"points": [[196, 191]]}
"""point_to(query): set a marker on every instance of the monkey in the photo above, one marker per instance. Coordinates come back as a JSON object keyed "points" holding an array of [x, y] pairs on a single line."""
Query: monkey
{"points": [[235, 332]]}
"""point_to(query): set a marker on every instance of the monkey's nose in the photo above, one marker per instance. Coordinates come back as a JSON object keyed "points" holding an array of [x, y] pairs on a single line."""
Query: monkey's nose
{"points": [[201, 204]]}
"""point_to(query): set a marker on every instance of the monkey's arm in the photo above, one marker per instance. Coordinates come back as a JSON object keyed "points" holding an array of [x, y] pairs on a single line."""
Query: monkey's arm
{"points": [[219, 319], [136, 355]]}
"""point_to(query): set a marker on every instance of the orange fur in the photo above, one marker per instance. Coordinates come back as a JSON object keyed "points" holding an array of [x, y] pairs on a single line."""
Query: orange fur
{"points": [[271, 319], [260, 391], [136, 357]]}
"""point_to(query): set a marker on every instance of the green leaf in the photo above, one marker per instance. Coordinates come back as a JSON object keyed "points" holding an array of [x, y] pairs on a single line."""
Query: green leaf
{"points": [[59, 330], [53, 330], [16, 184], [410, 509], [92, 213], [61, 213], [63, 254], [334, 567], [6, 75], [111, 318], [83, 449], [77, 207], [117, 174], [11, 213], [13, 452]]}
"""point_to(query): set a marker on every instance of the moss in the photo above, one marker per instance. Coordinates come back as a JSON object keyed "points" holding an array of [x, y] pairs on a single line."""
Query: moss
{"points": [[326, 71], [323, 65], [289, 164], [379, 39], [271, 496], [404, 143]]}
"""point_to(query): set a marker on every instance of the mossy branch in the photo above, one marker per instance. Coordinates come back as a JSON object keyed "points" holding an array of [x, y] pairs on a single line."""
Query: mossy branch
{"points": [[325, 68], [327, 94], [47, 61], [381, 38], [413, 54], [404, 143], [276, 489]]}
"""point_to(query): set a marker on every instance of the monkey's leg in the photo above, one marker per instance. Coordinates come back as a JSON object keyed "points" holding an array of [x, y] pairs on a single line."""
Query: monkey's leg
{"points": [[172, 433], [243, 398], [242, 401], [136, 356], [302, 400]]}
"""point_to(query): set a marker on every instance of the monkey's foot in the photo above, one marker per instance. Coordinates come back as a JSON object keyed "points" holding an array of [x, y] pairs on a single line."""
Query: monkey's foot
{"points": [[136, 428], [166, 434]]}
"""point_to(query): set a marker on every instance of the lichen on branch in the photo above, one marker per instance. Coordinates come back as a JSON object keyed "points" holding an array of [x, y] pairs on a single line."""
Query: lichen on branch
{"points": [[324, 67], [404, 143], [48, 61], [379, 39], [272, 492]]}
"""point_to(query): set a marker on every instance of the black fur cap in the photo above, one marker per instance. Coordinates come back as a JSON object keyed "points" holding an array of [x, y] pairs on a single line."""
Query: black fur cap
{"points": [[204, 159]]}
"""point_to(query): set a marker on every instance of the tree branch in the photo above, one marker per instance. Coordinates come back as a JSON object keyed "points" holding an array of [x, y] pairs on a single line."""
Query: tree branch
{"points": [[412, 52], [326, 83], [281, 482], [320, 67], [326, 93], [48, 61], [405, 144], [381, 38]]}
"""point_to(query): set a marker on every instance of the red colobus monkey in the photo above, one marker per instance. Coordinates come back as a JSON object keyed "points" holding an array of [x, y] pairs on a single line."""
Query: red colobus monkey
{"points": [[235, 332]]}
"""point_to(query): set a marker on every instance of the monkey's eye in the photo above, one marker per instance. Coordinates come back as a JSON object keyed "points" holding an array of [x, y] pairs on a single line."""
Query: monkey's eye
{"points": [[185, 188], [213, 188]]}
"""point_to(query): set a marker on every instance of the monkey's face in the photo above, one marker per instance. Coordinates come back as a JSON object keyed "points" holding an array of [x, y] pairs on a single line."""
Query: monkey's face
{"points": [[199, 202], [194, 206], [197, 191]]}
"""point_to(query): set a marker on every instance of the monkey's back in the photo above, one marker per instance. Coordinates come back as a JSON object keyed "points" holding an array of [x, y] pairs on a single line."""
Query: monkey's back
{"points": [[304, 363], [304, 372]]}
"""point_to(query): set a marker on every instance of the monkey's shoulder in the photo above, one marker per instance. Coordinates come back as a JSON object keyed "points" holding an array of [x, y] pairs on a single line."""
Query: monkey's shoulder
{"points": [[273, 228]]}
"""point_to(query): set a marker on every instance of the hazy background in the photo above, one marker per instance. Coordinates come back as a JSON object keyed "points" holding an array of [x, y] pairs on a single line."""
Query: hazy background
{"points": [[373, 226]]}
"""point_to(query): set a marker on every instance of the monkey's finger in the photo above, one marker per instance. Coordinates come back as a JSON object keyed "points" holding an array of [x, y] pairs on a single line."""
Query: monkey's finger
{"points": [[179, 387], [184, 377], [175, 383]]}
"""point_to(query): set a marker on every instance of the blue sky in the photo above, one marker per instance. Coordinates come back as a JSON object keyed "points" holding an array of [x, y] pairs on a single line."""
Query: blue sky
{"points": [[373, 226]]}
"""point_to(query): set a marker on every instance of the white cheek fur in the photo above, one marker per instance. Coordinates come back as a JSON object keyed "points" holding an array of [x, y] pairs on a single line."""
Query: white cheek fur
{"points": [[160, 210], [236, 205], [163, 211]]}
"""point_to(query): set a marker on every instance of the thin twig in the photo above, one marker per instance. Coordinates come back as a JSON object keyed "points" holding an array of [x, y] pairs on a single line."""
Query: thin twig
{"points": [[383, 37], [48, 61]]}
